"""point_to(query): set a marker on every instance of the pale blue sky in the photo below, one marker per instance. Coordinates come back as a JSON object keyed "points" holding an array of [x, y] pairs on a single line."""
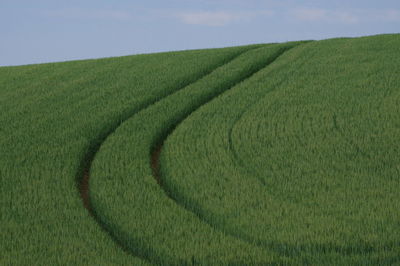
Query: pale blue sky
{"points": [[49, 30]]}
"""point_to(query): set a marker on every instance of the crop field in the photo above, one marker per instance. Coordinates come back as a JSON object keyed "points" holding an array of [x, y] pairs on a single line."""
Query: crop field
{"points": [[268, 154]]}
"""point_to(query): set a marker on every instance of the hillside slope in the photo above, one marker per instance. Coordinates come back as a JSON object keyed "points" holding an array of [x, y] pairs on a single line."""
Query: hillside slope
{"points": [[132, 204], [303, 161], [53, 117], [263, 154]]}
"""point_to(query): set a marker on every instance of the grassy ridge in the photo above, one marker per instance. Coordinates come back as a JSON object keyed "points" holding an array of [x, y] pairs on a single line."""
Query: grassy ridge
{"points": [[295, 161], [51, 117], [127, 198], [301, 160]]}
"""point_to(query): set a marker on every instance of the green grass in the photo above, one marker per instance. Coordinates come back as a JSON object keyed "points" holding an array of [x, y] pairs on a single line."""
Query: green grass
{"points": [[302, 158], [127, 198], [270, 154], [52, 117]]}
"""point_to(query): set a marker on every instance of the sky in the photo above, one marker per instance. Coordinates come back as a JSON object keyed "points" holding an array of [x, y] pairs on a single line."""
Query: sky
{"points": [[51, 30]]}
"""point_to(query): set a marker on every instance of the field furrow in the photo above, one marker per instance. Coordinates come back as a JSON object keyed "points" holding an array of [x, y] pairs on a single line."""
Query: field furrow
{"points": [[269, 154], [127, 198], [156, 152], [267, 165], [53, 118], [89, 157]]}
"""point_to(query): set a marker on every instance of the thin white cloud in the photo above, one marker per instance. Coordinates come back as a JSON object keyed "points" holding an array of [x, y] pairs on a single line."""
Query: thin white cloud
{"points": [[323, 15], [226, 17], [218, 18], [309, 14], [345, 17], [388, 15], [351, 16], [208, 18], [75, 13]]}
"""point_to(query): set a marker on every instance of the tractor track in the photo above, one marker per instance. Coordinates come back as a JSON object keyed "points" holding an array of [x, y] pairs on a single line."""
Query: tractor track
{"points": [[84, 184]]}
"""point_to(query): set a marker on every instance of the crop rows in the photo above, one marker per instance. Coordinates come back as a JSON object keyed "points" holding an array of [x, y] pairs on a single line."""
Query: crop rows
{"points": [[301, 160], [254, 155], [52, 119], [129, 201]]}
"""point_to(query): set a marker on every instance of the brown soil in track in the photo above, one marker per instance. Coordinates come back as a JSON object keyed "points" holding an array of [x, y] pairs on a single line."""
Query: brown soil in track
{"points": [[84, 176], [84, 190], [155, 163]]}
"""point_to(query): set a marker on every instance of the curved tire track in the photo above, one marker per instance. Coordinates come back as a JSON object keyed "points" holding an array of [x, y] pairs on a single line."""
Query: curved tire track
{"points": [[83, 175], [154, 164], [156, 152]]}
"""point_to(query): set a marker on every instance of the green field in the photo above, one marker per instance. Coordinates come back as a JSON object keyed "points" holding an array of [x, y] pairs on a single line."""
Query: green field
{"points": [[265, 154]]}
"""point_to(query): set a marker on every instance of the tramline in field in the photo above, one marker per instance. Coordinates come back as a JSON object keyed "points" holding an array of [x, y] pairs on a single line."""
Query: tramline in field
{"points": [[264, 154]]}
